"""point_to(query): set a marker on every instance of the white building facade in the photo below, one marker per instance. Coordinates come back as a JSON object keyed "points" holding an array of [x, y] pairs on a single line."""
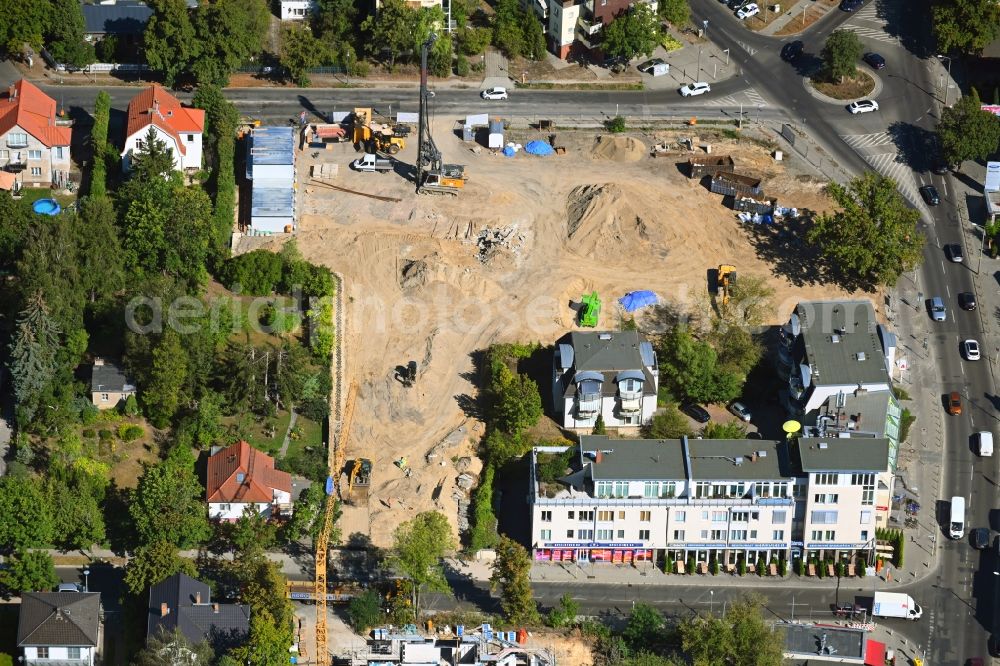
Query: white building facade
{"points": [[178, 127], [34, 141], [297, 10]]}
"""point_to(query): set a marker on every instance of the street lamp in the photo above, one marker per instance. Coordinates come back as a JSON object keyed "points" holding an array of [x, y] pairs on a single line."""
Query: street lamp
{"points": [[86, 579], [948, 83], [705, 28]]}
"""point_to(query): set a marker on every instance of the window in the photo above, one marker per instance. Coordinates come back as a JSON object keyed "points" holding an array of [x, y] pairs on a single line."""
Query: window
{"points": [[74, 652], [621, 534], [643, 535], [105, 397], [678, 535], [621, 515], [586, 534], [704, 535], [4, 154], [605, 535], [866, 517], [586, 516], [704, 515], [702, 489], [779, 517], [864, 535], [738, 535], [798, 491], [604, 488], [862, 479], [778, 535], [829, 535], [43, 652], [817, 535], [651, 489], [826, 479], [741, 516], [824, 518], [546, 516], [753, 534], [571, 515], [605, 516], [60, 154], [719, 516], [762, 489], [668, 489], [17, 139], [34, 154], [645, 516], [621, 488], [718, 535], [826, 498], [546, 535], [680, 516], [569, 534], [190, 138], [36, 171]]}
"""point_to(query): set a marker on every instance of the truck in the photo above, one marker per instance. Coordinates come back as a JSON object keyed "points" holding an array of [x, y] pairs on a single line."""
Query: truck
{"points": [[372, 162], [896, 604]]}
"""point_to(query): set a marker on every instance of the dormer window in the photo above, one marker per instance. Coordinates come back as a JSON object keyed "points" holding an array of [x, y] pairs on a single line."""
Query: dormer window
{"points": [[588, 386]]}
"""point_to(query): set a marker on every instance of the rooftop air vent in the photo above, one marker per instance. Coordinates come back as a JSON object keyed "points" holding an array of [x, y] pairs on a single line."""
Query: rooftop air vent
{"points": [[823, 445], [738, 460], [240, 476], [605, 336], [860, 356], [762, 453]]}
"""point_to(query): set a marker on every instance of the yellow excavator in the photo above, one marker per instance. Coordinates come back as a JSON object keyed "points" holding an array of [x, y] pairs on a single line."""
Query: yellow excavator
{"points": [[360, 476], [377, 137], [725, 278]]}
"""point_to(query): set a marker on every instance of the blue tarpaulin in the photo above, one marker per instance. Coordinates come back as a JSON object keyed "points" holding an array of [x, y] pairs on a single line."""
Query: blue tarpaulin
{"points": [[509, 151], [635, 300], [538, 148]]}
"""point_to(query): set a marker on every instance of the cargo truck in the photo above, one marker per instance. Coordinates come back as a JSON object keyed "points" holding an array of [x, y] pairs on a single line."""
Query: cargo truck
{"points": [[896, 604]]}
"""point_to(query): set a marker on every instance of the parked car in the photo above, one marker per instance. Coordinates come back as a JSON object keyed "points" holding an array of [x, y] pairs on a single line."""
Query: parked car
{"points": [[697, 412], [741, 411], [954, 252], [648, 66], [955, 403], [69, 587], [494, 93], [848, 609], [938, 311], [980, 538], [850, 5], [692, 89], [791, 51], [930, 195], [863, 106], [750, 10], [967, 300], [970, 349], [874, 60]]}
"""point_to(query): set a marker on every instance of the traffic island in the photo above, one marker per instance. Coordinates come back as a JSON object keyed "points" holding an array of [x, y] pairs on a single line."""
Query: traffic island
{"points": [[863, 85]]}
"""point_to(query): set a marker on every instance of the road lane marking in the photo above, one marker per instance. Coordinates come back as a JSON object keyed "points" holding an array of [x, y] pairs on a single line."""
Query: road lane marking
{"points": [[947, 287]]}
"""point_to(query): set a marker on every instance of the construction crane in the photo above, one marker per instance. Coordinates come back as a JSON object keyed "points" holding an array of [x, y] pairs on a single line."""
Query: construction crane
{"points": [[433, 176], [335, 463], [725, 278]]}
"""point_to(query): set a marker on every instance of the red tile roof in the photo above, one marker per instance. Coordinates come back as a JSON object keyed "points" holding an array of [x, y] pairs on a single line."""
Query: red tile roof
{"points": [[155, 106], [27, 107], [241, 473]]}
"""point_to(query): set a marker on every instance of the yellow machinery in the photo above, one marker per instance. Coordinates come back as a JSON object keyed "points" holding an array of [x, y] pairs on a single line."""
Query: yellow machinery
{"points": [[433, 175], [245, 125], [725, 278], [360, 476], [378, 137], [335, 463]]}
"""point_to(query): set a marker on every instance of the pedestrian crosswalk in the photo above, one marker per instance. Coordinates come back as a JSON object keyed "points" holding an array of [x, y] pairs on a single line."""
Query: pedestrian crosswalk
{"points": [[870, 22], [755, 97], [727, 100], [748, 98], [749, 49], [876, 34], [861, 141], [893, 166]]}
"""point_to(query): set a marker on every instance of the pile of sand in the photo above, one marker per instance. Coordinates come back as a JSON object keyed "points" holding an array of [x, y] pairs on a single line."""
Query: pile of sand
{"points": [[602, 221], [618, 149]]}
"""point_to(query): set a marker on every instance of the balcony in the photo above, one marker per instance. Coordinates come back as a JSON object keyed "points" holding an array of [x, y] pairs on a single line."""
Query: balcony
{"points": [[588, 405], [631, 403], [589, 27], [14, 167]]}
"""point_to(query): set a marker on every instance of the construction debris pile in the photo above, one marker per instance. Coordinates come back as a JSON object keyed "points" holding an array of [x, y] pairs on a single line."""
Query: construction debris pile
{"points": [[491, 241]]}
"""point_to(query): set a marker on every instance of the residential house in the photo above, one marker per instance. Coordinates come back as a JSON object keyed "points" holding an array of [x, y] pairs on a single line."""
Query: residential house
{"points": [[612, 374], [125, 19], [240, 476], [271, 170], [184, 604], [34, 143], [643, 500], [833, 347], [109, 386], [420, 4], [578, 23], [297, 10], [60, 628], [179, 127]]}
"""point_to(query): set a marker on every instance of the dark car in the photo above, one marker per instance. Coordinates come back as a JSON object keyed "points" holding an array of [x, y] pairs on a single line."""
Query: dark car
{"points": [[648, 66], [791, 51], [850, 5], [954, 252], [697, 412], [874, 60], [941, 169], [980, 538], [617, 64], [848, 610], [930, 195], [967, 300]]}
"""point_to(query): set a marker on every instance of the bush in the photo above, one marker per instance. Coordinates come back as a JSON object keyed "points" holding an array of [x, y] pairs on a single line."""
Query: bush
{"points": [[741, 566], [840, 569], [615, 125], [462, 65], [89, 413], [713, 566], [88, 433], [564, 613], [761, 565], [782, 567], [668, 564], [820, 569], [131, 407], [105, 435], [906, 420], [128, 432], [365, 611], [860, 570], [800, 567], [690, 565], [482, 532], [256, 273]]}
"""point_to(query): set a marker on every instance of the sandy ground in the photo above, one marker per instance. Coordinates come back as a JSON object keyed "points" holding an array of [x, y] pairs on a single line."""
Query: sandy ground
{"points": [[604, 216]]}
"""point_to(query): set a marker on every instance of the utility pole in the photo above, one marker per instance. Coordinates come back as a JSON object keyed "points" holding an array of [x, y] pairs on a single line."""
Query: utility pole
{"points": [[726, 51], [697, 74]]}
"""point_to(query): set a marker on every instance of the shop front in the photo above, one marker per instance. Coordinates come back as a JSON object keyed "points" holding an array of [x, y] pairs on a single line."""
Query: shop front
{"points": [[596, 552]]}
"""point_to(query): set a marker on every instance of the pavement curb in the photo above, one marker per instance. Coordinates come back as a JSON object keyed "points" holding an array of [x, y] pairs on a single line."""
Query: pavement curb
{"points": [[807, 84]]}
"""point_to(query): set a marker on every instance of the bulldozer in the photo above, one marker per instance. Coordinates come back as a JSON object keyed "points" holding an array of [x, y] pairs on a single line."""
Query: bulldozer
{"points": [[377, 137], [725, 278]]}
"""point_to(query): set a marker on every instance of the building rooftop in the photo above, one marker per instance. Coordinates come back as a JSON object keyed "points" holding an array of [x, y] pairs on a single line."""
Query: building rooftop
{"points": [[842, 344], [24, 105], [806, 640], [241, 473], [843, 454], [120, 18], [184, 603], [607, 353], [739, 459], [109, 377], [633, 459], [271, 145], [156, 106], [59, 618], [272, 202], [857, 413]]}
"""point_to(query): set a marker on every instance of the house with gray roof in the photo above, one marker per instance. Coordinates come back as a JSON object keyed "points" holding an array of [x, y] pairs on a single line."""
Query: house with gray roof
{"points": [[60, 628], [185, 604], [124, 18], [109, 386], [831, 347], [612, 374]]}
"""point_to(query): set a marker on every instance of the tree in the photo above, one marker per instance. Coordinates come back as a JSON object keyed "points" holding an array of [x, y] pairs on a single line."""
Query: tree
{"points": [[76, 509], [418, 547], [66, 31], [101, 258], [174, 649], [306, 518], [153, 161], [508, 28], [154, 563], [517, 404], [162, 395], [750, 302], [365, 611], [252, 533], [268, 643], [390, 29], [635, 30], [16, 219], [30, 571], [840, 54], [99, 145], [741, 638], [968, 26], [336, 21], [440, 57], [50, 265], [675, 12], [33, 356], [668, 423], [730, 430], [564, 612], [511, 573], [24, 22], [873, 238], [599, 427], [230, 33], [167, 503], [25, 514], [966, 132], [533, 36], [644, 629], [692, 369], [171, 44], [300, 52], [187, 236]]}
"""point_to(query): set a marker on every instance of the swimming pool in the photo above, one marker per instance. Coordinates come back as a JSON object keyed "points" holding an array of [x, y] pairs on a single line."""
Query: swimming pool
{"points": [[47, 207]]}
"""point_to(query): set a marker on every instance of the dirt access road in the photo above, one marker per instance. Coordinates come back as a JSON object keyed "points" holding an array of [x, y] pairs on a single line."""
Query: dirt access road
{"points": [[603, 216]]}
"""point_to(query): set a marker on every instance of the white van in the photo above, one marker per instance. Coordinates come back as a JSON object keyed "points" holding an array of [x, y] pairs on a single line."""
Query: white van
{"points": [[984, 443], [956, 522]]}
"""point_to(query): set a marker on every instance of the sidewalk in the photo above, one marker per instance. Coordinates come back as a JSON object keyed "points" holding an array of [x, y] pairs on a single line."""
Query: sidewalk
{"points": [[815, 11]]}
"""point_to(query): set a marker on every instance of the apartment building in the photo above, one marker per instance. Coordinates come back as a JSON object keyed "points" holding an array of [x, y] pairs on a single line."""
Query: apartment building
{"points": [[833, 347], [613, 374], [578, 23], [859, 414], [34, 142], [639, 500]]}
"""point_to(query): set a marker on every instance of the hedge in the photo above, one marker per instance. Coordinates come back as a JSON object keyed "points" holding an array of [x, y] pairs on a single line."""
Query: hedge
{"points": [[224, 212], [99, 141], [483, 533]]}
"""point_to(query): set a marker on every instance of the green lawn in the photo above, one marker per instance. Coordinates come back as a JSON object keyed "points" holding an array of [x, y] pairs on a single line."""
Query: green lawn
{"points": [[33, 194], [258, 437], [310, 434]]}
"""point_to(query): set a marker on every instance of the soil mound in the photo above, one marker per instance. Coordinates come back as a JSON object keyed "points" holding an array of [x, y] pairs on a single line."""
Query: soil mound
{"points": [[601, 220], [618, 148]]}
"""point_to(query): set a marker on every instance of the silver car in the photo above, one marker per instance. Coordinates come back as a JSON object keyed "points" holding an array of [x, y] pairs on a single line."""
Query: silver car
{"points": [[741, 411]]}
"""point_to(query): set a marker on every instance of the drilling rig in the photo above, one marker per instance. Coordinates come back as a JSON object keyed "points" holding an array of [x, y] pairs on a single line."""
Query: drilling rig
{"points": [[433, 176]]}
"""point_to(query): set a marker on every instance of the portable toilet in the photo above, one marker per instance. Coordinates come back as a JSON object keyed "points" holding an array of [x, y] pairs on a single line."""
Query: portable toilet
{"points": [[496, 133]]}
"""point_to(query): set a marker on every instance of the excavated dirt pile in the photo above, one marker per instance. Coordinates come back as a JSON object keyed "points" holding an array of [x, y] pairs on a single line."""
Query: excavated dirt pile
{"points": [[602, 221], [618, 149]]}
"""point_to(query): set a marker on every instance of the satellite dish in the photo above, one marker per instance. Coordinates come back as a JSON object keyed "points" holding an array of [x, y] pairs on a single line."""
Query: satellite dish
{"points": [[791, 427]]}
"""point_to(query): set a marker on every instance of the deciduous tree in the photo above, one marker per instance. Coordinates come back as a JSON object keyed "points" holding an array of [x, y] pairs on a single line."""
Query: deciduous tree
{"points": [[730, 430], [153, 563], [168, 503], [301, 51], [230, 33], [635, 30], [162, 396], [741, 638], [365, 611], [65, 38], [171, 44], [668, 423], [873, 238], [173, 648], [517, 404], [29, 571], [16, 219], [966, 132], [335, 21], [25, 22], [965, 25], [390, 29], [511, 570], [840, 54], [676, 12], [644, 630], [268, 643], [418, 548], [692, 369], [25, 514]]}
